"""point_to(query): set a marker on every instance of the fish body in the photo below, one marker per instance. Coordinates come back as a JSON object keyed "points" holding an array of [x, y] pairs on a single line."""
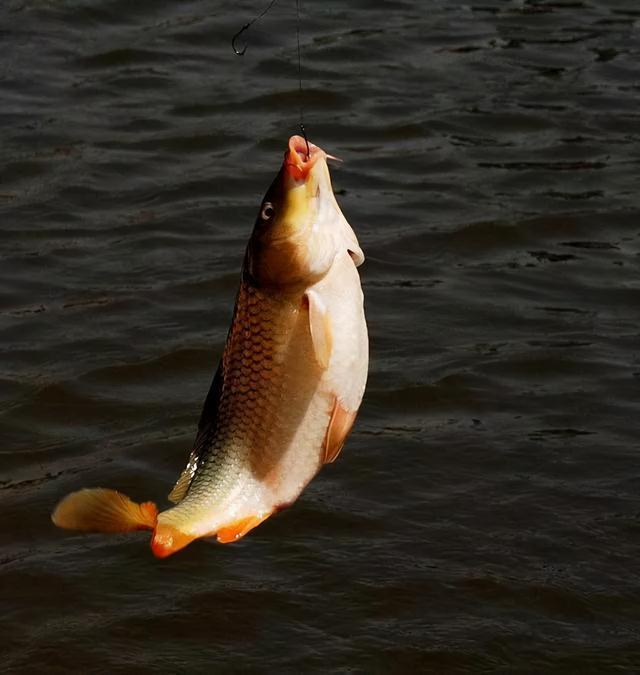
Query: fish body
{"points": [[290, 380]]}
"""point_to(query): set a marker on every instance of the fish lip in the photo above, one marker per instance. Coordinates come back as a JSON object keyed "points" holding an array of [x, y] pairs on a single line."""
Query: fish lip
{"points": [[297, 162]]}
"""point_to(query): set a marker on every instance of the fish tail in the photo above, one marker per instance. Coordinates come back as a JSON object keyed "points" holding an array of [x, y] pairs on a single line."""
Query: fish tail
{"points": [[102, 510]]}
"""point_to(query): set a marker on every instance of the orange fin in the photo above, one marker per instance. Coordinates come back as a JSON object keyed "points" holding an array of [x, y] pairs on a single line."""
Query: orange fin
{"points": [[320, 326], [102, 510], [339, 427], [168, 539], [237, 530]]}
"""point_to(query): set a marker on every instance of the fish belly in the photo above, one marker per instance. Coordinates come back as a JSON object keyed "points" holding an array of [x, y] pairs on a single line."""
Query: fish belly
{"points": [[341, 292]]}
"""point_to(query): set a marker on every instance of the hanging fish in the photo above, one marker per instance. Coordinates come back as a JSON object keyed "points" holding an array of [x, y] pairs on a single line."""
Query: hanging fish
{"points": [[289, 383]]}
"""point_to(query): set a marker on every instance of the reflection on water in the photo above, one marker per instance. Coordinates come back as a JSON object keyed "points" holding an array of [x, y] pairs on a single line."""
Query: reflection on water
{"points": [[483, 515]]}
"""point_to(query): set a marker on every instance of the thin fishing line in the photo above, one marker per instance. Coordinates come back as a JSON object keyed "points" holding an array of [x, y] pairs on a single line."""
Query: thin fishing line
{"points": [[300, 91], [241, 52]]}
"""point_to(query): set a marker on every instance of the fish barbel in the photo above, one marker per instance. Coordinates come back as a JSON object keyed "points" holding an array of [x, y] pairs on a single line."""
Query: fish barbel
{"points": [[289, 383]]}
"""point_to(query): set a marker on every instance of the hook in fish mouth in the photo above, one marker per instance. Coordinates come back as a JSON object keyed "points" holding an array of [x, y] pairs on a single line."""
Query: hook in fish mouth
{"points": [[301, 156]]}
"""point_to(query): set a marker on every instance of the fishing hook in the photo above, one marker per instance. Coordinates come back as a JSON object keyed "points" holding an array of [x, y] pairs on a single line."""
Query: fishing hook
{"points": [[247, 26], [306, 140], [236, 36]]}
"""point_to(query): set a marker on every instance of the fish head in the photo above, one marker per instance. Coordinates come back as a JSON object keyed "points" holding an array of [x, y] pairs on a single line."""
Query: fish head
{"points": [[297, 233]]}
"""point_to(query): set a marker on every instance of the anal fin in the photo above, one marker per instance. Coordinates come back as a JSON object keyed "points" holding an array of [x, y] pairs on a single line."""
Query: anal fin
{"points": [[237, 530], [339, 427]]}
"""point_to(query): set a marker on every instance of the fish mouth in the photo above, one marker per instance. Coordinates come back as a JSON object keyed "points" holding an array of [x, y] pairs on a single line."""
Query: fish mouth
{"points": [[301, 156]]}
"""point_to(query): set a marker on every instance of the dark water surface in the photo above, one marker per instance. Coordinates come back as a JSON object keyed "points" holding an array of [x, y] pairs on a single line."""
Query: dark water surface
{"points": [[485, 514]]}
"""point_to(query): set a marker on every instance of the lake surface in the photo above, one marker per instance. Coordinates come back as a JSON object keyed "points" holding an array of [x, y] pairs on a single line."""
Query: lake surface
{"points": [[484, 516]]}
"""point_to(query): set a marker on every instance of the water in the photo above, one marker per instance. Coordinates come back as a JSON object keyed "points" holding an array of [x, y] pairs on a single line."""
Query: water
{"points": [[483, 516]]}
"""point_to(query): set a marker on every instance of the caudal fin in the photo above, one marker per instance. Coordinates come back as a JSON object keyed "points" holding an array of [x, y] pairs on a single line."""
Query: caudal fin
{"points": [[102, 510]]}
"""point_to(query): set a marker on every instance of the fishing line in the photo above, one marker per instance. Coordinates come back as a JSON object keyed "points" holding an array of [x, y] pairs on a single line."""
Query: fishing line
{"points": [[241, 52], [300, 92]]}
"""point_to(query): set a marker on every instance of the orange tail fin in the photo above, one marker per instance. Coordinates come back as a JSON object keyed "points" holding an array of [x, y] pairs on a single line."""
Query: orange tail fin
{"points": [[102, 510]]}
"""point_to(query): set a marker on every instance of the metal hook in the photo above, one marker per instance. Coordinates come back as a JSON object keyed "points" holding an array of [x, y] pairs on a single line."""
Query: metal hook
{"points": [[306, 140], [236, 36], [247, 26]]}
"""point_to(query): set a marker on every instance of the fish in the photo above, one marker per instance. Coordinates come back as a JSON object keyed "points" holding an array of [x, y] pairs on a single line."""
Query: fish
{"points": [[289, 383]]}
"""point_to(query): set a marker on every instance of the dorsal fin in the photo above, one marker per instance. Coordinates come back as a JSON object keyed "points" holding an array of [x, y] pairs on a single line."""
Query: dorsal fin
{"points": [[206, 429]]}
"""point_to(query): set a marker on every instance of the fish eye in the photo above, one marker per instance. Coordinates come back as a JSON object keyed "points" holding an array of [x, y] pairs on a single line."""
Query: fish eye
{"points": [[267, 211]]}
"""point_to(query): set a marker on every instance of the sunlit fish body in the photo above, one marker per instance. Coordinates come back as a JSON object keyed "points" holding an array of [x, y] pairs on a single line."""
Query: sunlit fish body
{"points": [[289, 383]]}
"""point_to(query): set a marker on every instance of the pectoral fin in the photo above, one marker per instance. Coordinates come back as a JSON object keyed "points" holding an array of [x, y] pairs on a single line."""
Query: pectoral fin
{"points": [[237, 530], [339, 427], [321, 330]]}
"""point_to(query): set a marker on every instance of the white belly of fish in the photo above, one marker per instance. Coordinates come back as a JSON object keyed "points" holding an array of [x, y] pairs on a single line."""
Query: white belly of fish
{"points": [[344, 378]]}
